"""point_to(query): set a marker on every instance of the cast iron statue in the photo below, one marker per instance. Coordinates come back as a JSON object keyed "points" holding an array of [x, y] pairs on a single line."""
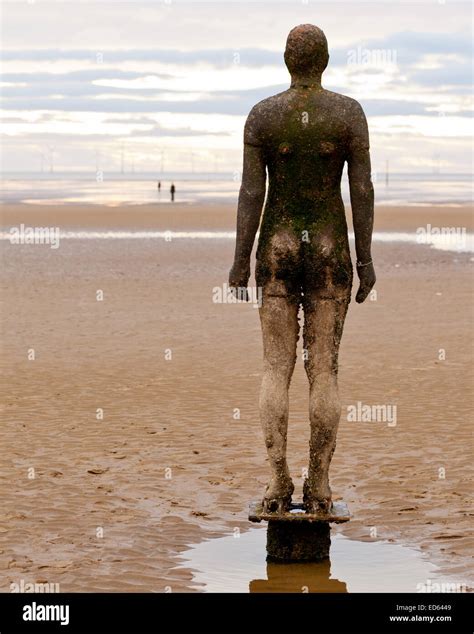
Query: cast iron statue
{"points": [[302, 137]]}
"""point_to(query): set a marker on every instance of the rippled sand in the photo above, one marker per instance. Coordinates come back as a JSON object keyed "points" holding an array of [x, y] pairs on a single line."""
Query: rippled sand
{"points": [[107, 504]]}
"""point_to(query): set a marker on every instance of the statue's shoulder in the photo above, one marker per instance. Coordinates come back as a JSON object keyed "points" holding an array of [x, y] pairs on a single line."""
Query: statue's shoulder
{"points": [[343, 103], [261, 116], [269, 104]]}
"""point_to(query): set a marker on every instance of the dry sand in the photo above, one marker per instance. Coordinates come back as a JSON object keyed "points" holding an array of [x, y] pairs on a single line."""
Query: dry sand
{"points": [[102, 512]]}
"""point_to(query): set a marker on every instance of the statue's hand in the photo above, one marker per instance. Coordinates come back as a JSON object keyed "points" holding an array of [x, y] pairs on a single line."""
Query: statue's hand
{"points": [[238, 280], [367, 280]]}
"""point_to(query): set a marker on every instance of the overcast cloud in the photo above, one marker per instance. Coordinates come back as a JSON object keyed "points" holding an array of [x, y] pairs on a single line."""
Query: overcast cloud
{"points": [[181, 77]]}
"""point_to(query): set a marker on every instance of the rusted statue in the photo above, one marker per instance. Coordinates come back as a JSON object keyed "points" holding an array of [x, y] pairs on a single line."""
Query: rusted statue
{"points": [[303, 136]]}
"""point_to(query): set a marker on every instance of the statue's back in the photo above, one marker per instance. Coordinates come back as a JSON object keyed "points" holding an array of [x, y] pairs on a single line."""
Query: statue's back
{"points": [[305, 136]]}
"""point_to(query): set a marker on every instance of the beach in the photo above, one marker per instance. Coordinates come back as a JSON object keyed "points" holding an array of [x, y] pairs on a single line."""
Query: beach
{"points": [[131, 425]]}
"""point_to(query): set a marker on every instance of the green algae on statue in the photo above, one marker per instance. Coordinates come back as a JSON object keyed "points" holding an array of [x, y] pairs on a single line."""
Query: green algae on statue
{"points": [[303, 137]]}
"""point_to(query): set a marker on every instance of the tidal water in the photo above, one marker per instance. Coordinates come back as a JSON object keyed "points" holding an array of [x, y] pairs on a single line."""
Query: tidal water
{"points": [[114, 189], [456, 239], [238, 564]]}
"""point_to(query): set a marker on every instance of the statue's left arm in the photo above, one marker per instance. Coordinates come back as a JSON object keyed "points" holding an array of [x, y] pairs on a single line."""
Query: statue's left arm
{"points": [[249, 210]]}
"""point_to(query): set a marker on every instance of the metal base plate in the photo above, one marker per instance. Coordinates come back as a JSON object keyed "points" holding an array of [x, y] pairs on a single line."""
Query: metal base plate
{"points": [[339, 513]]}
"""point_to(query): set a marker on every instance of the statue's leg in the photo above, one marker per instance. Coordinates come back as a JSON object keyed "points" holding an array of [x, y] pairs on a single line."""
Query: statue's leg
{"points": [[280, 327], [324, 322]]}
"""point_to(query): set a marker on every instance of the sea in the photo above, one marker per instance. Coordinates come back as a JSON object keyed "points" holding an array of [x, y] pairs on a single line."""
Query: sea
{"points": [[115, 189]]}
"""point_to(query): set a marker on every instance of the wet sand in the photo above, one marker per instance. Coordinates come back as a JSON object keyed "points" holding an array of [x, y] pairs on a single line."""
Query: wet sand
{"points": [[179, 216], [108, 503]]}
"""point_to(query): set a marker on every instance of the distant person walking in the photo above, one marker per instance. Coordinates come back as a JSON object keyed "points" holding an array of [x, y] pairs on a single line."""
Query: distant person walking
{"points": [[172, 191], [159, 186]]}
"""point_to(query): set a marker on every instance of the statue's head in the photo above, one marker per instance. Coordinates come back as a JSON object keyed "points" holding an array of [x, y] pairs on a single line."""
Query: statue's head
{"points": [[306, 52]]}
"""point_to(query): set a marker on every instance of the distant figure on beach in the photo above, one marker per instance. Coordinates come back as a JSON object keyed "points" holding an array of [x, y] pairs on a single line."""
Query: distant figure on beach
{"points": [[159, 186], [172, 191], [303, 136]]}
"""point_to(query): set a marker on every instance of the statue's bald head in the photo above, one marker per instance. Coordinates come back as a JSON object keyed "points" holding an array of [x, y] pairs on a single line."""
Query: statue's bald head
{"points": [[306, 52]]}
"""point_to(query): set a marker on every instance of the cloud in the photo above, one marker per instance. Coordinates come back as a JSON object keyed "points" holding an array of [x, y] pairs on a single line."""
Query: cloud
{"points": [[131, 121], [229, 103], [223, 102], [418, 89], [13, 120], [176, 132], [219, 58], [154, 132], [93, 74], [452, 74], [411, 46]]}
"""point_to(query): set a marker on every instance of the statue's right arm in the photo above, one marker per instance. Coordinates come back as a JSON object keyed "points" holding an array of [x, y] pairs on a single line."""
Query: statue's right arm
{"points": [[362, 200]]}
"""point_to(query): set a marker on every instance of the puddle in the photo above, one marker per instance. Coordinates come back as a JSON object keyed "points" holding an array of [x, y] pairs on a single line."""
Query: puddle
{"points": [[237, 564]]}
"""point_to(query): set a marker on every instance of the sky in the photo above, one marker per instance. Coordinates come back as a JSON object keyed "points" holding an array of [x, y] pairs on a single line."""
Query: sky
{"points": [[166, 85]]}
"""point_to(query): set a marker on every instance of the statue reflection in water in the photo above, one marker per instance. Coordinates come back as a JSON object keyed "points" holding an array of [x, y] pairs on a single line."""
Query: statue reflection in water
{"points": [[305, 577]]}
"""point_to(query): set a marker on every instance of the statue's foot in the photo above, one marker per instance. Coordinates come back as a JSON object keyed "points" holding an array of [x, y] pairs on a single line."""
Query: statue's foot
{"points": [[277, 498], [317, 499]]}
